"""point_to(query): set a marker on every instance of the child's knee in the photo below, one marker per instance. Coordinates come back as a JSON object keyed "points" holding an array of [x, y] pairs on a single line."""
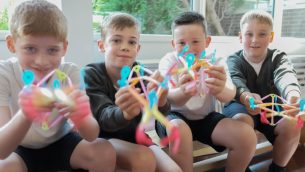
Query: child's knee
{"points": [[246, 137], [12, 165], [143, 158], [248, 132], [184, 129], [4, 166], [244, 118], [102, 148], [288, 130]]}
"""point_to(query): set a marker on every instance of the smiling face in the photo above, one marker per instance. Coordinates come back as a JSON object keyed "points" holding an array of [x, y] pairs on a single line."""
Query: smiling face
{"points": [[255, 37], [192, 35], [41, 54], [121, 47]]}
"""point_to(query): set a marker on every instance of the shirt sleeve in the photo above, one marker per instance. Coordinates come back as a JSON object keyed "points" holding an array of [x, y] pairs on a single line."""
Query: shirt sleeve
{"points": [[5, 75], [166, 63], [238, 78], [72, 70], [109, 116], [4, 91], [222, 62], [285, 78]]}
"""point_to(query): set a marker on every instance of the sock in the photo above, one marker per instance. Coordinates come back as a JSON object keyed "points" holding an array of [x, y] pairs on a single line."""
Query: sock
{"points": [[275, 168]]}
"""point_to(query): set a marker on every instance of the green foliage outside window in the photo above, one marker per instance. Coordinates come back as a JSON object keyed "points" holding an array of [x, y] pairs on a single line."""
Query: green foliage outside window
{"points": [[3, 20], [155, 16]]}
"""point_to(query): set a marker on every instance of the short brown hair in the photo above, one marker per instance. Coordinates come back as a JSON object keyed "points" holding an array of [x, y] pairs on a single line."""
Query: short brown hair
{"points": [[190, 17], [259, 15], [38, 17], [118, 21]]}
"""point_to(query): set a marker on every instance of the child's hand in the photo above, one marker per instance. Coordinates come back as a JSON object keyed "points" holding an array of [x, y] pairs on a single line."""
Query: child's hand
{"points": [[187, 84], [152, 86], [244, 99], [217, 79], [28, 102], [128, 103], [80, 110], [293, 99]]}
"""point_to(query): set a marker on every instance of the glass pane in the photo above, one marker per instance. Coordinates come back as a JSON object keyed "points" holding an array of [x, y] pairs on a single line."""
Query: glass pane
{"points": [[293, 22], [155, 16], [223, 16], [4, 15], [7, 5]]}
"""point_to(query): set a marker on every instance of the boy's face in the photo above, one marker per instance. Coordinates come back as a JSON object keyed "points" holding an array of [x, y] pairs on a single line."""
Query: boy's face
{"points": [[192, 35], [255, 37], [41, 54], [120, 47]]}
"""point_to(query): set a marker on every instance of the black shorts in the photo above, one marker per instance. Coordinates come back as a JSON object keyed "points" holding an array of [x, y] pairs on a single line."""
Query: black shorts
{"points": [[53, 157], [234, 108], [201, 129]]}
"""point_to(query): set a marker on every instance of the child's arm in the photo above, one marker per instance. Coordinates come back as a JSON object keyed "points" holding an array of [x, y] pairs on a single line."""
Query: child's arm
{"points": [[234, 64], [244, 99], [81, 116], [293, 98], [12, 131], [181, 94], [102, 100], [128, 103], [285, 78], [219, 84], [286, 81], [243, 93]]}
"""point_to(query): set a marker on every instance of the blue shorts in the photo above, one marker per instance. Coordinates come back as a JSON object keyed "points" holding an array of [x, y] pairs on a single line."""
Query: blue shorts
{"points": [[201, 129], [53, 157], [233, 108]]}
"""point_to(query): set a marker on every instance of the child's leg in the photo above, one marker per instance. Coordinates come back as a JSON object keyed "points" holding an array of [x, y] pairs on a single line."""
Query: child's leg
{"points": [[244, 118], [239, 138], [184, 156], [13, 163], [164, 162], [286, 142], [96, 156], [130, 156], [238, 111]]}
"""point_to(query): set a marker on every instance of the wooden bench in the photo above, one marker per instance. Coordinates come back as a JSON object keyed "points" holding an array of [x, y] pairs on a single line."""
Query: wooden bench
{"points": [[206, 158]]}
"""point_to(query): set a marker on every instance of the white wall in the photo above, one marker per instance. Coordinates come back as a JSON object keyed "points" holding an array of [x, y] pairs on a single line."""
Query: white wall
{"points": [[80, 30]]}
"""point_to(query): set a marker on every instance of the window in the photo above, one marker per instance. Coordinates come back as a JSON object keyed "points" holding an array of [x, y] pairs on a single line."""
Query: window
{"points": [[5, 7], [155, 16], [4, 15], [293, 22], [223, 16]]}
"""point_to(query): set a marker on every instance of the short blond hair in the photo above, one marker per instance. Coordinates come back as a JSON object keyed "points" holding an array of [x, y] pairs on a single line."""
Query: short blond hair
{"points": [[38, 17], [259, 15], [119, 21]]}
